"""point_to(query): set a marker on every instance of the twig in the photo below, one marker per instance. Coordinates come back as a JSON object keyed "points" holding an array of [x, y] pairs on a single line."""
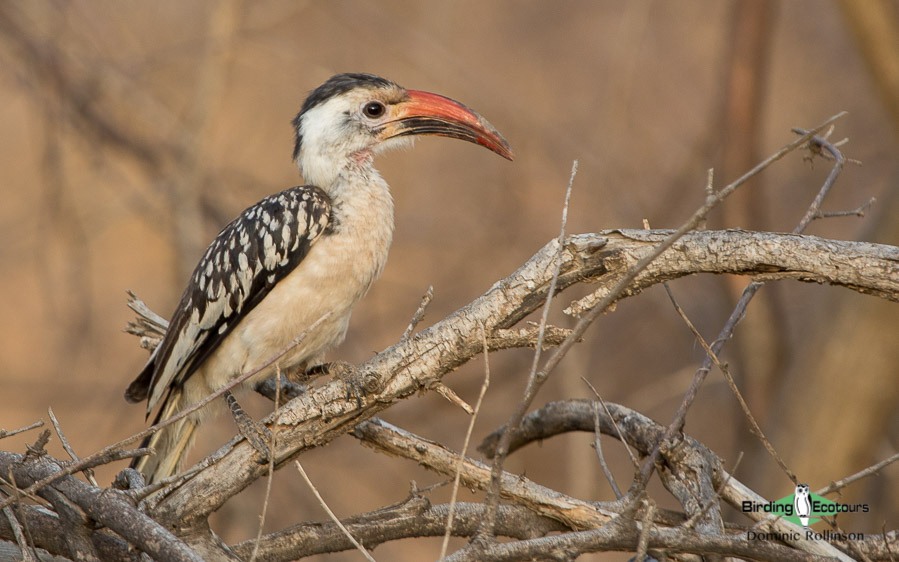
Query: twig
{"points": [[419, 314], [839, 162], [271, 465], [27, 554], [605, 408], [573, 512], [622, 535], [450, 395], [113, 451], [39, 501], [411, 518], [753, 287], [535, 377], [851, 545], [331, 514], [597, 445], [644, 434], [107, 508], [151, 320], [645, 530], [709, 196], [16, 527], [166, 483], [5, 433], [38, 448], [857, 212], [88, 473], [464, 451], [834, 486], [753, 424]]}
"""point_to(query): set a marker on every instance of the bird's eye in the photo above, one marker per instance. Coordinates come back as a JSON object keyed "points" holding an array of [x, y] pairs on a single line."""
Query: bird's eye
{"points": [[373, 109]]}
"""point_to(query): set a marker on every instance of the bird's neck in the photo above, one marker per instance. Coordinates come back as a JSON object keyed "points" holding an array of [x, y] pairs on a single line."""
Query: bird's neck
{"points": [[361, 200], [361, 225], [322, 168]]}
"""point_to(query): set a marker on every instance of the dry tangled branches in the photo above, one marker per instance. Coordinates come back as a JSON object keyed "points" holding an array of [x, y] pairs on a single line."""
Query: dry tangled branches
{"points": [[46, 506]]}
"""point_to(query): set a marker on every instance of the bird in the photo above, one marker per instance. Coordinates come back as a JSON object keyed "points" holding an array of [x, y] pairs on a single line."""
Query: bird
{"points": [[307, 254]]}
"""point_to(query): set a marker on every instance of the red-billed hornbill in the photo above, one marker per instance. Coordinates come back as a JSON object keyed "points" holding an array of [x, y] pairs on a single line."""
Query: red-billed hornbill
{"points": [[295, 256]]}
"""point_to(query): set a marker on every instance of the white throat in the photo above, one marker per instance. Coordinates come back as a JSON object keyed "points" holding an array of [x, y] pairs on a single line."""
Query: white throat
{"points": [[329, 145]]}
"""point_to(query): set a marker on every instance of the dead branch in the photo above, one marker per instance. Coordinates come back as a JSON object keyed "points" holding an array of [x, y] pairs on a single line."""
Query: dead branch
{"points": [[107, 507], [682, 459], [413, 517], [10, 433], [622, 535], [572, 512], [320, 414]]}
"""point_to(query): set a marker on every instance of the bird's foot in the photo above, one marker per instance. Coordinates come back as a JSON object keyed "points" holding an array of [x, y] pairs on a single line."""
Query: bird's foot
{"points": [[352, 378], [259, 436]]}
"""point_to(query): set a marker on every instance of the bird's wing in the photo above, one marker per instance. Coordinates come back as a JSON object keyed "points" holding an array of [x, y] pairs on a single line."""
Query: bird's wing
{"points": [[248, 257]]}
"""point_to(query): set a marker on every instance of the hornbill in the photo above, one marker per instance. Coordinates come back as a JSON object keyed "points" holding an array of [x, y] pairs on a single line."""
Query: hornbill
{"points": [[295, 256]]}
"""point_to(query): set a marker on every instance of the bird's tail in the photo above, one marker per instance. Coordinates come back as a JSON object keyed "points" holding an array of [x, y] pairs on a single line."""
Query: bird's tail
{"points": [[171, 442]]}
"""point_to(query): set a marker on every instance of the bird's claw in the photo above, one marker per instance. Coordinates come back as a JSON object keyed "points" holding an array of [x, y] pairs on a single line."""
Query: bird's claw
{"points": [[259, 436], [352, 378]]}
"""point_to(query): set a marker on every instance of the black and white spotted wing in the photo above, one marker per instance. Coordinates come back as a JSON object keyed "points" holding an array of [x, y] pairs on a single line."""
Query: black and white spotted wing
{"points": [[248, 257]]}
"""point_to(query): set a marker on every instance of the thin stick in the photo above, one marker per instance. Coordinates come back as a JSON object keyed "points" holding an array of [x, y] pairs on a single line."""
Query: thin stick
{"points": [[331, 514], [450, 395], [16, 527], [110, 449], [834, 486], [839, 162], [753, 424], [170, 482], [88, 473], [751, 289], [646, 528], [535, 380], [27, 554], [457, 478], [597, 444], [857, 212], [5, 433], [621, 436], [419, 314], [271, 464]]}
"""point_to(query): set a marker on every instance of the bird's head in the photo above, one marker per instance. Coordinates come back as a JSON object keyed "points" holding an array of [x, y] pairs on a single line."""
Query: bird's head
{"points": [[349, 118]]}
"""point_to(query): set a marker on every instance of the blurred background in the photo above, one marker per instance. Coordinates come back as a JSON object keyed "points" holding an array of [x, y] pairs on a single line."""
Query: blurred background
{"points": [[133, 131]]}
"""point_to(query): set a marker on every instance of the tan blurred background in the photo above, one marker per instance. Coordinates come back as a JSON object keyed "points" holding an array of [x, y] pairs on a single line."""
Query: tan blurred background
{"points": [[133, 131]]}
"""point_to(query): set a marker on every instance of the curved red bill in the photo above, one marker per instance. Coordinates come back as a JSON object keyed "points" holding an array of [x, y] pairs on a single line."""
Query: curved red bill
{"points": [[425, 113]]}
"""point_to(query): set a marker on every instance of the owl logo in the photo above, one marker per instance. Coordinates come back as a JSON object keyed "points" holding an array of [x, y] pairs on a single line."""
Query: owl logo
{"points": [[802, 503]]}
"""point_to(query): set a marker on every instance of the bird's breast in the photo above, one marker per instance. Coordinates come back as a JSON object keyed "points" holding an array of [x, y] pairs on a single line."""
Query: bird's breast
{"points": [[336, 273]]}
